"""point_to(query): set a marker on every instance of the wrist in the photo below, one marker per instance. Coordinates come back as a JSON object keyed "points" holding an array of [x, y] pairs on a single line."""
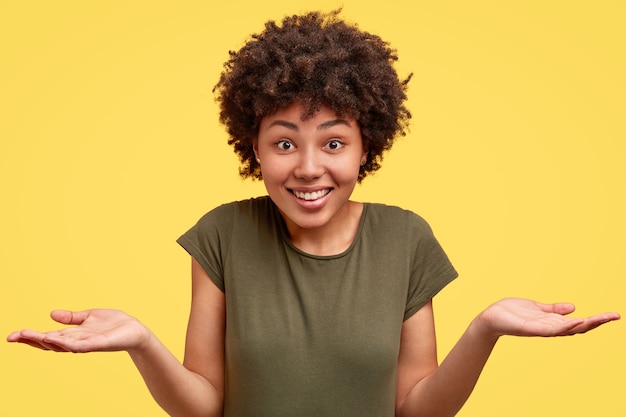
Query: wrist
{"points": [[482, 329], [143, 338]]}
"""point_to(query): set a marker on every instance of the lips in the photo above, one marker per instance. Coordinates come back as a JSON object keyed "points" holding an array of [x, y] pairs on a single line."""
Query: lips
{"points": [[311, 195]]}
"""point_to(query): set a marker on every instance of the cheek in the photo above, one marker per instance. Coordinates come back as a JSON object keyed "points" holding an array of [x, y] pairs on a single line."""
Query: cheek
{"points": [[346, 172], [273, 171]]}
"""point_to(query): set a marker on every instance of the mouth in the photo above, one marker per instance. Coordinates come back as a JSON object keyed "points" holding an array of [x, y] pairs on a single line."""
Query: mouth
{"points": [[311, 195]]}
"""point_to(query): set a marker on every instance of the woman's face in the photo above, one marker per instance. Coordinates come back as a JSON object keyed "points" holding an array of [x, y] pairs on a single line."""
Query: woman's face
{"points": [[310, 167]]}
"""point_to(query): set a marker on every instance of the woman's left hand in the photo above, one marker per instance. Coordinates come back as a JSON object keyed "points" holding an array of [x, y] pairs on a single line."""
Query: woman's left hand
{"points": [[521, 317]]}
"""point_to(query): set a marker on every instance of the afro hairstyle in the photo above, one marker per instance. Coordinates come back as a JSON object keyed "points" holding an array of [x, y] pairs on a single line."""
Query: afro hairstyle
{"points": [[316, 59]]}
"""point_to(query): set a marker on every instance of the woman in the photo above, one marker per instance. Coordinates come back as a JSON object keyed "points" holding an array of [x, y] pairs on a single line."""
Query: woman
{"points": [[305, 302]]}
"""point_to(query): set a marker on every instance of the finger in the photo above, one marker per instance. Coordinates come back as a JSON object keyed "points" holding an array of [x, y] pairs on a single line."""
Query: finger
{"points": [[33, 344], [557, 308], [16, 337], [612, 316], [29, 337], [47, 341], [64, 344], [54, 341], [69, 317], [593, 322], [58, 343], [13, 337], [28, 334], [570, 326], [56, 347]]}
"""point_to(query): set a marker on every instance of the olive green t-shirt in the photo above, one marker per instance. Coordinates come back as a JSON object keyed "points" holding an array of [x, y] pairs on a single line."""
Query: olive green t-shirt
{"points": [[315, 335]]}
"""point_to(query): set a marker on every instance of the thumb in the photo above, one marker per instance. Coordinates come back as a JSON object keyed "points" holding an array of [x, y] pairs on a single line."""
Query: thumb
{"points": [[69, 317], [558, 308]]}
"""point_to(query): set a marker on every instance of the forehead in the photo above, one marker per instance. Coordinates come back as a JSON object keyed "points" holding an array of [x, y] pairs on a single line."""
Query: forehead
{"points": [[297, 114]]}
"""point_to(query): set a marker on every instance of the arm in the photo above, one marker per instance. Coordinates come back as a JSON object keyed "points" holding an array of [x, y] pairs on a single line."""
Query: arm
{"points": [[195, 389], [425, 389]]}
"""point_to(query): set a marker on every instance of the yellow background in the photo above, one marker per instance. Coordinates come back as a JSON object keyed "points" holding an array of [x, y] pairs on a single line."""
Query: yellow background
{"points": [[110, 148]]}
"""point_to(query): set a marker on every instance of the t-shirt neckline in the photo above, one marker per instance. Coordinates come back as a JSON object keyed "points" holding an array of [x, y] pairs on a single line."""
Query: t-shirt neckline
{"points": [[285, 236]]}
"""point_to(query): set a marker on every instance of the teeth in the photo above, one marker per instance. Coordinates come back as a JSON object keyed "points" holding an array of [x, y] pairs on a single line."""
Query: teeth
{"points": [[311, 196]]}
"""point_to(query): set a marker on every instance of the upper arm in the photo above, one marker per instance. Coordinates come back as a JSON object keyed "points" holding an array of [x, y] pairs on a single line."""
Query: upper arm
{"points": [[204, 348], [418, 351]]}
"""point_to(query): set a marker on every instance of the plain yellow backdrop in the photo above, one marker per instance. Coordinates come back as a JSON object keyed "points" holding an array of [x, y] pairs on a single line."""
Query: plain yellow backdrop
{"points": [[110, 148]]}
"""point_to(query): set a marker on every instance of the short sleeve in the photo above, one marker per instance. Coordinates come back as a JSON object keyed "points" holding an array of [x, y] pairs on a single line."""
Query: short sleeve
{"points": [[431, 270], [208, 242]]}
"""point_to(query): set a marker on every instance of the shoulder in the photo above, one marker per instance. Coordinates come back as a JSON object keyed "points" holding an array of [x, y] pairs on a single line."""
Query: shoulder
{"points": [[396, 218], [237, 210], [395, 226]]}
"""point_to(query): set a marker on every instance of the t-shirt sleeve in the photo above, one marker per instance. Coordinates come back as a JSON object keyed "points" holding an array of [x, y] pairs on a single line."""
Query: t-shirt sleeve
{"points": [[208, 242], [431, 270]]}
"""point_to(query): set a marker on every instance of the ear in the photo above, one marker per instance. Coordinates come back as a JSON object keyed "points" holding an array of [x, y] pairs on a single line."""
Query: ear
{"points": [[364, 154], [255, 148]]}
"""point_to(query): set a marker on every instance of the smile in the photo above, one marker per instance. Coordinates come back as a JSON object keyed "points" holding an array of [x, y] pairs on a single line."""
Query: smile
{"points": [[310, 196]]}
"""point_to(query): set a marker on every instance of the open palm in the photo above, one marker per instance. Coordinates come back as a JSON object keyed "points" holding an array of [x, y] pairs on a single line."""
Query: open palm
{"points": [[521, 317], [92, 331]]}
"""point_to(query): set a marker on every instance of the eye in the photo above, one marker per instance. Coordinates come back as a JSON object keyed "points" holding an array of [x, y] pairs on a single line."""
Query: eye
{"points": [[334, 144], [284, 145]]}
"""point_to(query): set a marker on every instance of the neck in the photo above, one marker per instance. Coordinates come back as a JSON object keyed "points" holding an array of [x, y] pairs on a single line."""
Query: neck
{"points": [[333, 238]]}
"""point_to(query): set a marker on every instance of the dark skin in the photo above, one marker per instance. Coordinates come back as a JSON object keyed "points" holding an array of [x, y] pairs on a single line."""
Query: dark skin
{"points": [[196, 387]]}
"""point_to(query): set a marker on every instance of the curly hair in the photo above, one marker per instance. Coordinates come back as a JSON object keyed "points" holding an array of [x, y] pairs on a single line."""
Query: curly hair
{"points": [[318, 60]]}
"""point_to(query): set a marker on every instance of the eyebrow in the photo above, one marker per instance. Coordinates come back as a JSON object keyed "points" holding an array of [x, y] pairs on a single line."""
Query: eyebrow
{"points": [[325, 125], [331, 123]]}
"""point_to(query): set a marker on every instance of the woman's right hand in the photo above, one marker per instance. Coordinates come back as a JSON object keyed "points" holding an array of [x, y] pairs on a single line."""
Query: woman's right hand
{"points": [[98, 330]]}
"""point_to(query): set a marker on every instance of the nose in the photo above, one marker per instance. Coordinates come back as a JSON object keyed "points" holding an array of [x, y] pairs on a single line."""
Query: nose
{"points": [[309, 166]]}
